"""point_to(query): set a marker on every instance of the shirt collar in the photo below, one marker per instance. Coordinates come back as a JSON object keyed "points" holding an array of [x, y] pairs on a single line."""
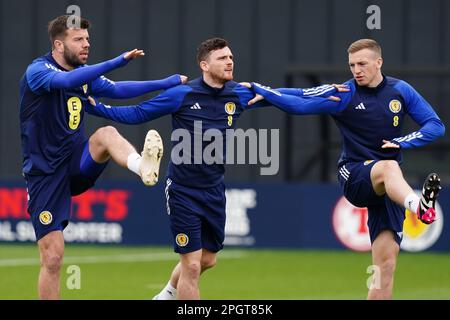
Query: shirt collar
{"points": [[212, 89], [376, 89], [50, 58]]}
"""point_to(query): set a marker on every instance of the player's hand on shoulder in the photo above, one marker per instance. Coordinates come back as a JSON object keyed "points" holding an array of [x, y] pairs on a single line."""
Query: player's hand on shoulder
{"points": [[183, 79], [92, 101], [246, 84], [257, 97], [135, 53], [390, 144], [341, 88]]}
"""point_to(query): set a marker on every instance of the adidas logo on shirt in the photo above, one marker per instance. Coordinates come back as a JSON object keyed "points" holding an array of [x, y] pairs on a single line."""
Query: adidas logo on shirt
{"points": [[196, 106], [360, 106]]}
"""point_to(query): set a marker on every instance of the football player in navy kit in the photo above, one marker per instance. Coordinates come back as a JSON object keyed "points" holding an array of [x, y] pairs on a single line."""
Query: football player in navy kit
{"points": [[370, 120], [58, 160], [195, 190]]}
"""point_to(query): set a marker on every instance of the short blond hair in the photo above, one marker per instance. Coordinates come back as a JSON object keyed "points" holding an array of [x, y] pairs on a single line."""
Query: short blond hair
{"points": [[365, 44]]}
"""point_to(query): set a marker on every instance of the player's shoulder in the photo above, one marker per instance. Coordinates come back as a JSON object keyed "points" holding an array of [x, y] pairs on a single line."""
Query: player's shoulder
{"points": [[194, 83], [233, 84], [351, 83], [42, 64], [400, 85], [392, 82], [237, 87], [181, 89], [243, 93]]}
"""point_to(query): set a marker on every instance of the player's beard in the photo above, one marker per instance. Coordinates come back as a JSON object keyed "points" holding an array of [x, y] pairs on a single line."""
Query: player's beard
{"points": [[72, 58], [221, 77]]}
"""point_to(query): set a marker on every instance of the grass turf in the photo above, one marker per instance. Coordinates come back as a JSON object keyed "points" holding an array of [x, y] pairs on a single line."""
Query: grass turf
{"points": [[113, 272]]}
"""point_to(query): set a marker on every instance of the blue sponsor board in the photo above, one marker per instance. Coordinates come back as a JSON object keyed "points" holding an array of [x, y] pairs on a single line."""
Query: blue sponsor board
{"points": [[258, 215]]}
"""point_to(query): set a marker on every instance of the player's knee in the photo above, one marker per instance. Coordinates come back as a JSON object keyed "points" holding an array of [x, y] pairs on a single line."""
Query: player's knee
{"points": [[101, 137], [208, 263], [193, 269], [387, 267], [107, 132], [384, 170], [390, 166], [52, 262]]}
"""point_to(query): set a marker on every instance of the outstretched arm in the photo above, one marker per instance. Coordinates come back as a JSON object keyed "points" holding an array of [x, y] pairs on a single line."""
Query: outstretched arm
{"points": [[82, 75], [165, 103], [296, 104], [103, 87], [324, 91]]}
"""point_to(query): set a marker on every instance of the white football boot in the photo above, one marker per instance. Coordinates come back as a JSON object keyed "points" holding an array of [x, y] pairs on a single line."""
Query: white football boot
{"points": [[151, 158]]}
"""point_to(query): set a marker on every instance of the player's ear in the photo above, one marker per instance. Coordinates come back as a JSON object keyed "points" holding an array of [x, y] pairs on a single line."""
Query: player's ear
{"points": [[379, 62], [204, 66], [59, 46]]}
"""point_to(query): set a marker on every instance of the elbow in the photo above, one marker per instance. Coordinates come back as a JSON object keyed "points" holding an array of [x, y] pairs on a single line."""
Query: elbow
{"points": [[435, 130], [441, 130], [438, 128]]}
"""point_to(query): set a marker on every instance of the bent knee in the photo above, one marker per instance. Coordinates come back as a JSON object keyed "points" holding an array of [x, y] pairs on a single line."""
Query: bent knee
{"points": [[101, 138], [209, 263], [105, 132], [383, 169], [390, 165]]}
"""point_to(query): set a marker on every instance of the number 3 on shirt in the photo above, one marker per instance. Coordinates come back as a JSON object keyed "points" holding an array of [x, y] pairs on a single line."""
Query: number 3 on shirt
{"points": [[395, 121], [74, 106]]}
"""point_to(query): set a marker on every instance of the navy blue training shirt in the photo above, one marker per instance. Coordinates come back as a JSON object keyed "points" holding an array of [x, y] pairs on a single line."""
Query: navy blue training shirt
{"points": [[367, 116], [192, 103], [52, 103]]}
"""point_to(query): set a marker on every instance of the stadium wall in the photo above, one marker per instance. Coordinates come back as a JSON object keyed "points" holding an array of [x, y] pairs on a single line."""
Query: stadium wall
{"points": [[266, 37]]}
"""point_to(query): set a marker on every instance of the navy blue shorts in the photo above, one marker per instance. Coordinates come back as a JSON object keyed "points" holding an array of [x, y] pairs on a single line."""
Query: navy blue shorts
{"points": [[197, 217], [49, 196], [384, 214]]}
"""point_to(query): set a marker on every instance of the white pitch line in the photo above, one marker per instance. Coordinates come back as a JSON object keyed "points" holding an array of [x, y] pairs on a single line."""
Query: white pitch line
{"points": [[119, 258]]}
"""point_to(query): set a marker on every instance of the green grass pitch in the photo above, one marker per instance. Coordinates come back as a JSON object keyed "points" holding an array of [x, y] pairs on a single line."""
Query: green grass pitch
{"points": [[120, 272]]}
